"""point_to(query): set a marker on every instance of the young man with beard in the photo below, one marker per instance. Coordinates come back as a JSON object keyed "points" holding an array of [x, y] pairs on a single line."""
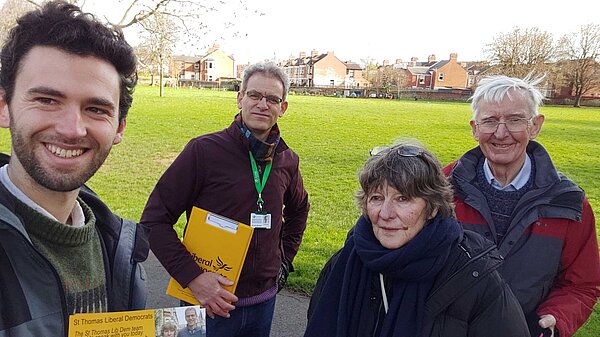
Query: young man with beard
{"points": [[65, 89]]}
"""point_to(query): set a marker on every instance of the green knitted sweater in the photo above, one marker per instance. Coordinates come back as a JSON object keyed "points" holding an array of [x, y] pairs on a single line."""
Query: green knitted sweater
{"points": [[75, 253]]}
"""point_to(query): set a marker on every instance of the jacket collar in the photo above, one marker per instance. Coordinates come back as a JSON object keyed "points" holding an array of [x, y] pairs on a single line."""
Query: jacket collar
{"points": [[234, 131]]}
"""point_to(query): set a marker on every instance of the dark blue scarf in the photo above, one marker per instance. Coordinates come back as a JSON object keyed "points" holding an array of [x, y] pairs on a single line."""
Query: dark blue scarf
{"points": [[411, 268], [263, 152]]}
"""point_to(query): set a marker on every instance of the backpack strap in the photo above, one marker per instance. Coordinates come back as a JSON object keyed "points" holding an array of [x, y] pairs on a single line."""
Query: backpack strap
{"points": [[128, 276]]}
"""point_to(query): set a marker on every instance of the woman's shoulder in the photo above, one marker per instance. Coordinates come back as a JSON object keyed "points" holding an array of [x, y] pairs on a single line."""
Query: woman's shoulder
{"points": [[470, 262]]}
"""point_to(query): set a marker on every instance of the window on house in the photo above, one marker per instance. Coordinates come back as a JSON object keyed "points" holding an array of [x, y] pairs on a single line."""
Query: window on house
{"points": [[196, 66], [210, 78], [332, 82], [421, 80], [441, 76]]}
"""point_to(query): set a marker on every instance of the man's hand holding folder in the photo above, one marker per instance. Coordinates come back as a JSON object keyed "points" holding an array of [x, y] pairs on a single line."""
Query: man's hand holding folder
{"points": [[207, 288]]}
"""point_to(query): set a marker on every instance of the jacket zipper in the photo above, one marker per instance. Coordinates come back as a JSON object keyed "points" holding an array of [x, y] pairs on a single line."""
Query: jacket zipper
{"points": [[474, 258]]}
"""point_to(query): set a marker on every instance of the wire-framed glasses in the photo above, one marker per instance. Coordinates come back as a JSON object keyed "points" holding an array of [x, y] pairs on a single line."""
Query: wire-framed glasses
{"points": [[257, 96], [490, 125]]}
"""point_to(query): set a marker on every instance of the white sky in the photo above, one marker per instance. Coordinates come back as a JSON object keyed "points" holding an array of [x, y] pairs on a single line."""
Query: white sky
{"points": [[381, 29]]}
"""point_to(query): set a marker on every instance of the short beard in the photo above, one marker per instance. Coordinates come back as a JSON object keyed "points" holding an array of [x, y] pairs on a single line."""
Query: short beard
{"points": [[54, 181]]}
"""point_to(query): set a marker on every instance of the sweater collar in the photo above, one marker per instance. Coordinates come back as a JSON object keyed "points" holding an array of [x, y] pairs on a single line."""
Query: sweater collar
{"points": [[38, 224]]}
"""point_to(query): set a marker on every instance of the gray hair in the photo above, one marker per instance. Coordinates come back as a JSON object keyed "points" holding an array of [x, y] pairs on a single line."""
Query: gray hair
{"points": [[494, 89], [168, 326], [417, 176], [269, 69]]}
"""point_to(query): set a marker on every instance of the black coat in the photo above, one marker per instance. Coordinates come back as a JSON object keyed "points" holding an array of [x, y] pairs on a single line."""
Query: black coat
{"points": [[468, 298]]}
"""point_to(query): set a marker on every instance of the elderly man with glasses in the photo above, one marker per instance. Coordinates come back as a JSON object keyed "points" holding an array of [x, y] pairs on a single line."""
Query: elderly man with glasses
{"points": [[246, 173], [508, 190]]}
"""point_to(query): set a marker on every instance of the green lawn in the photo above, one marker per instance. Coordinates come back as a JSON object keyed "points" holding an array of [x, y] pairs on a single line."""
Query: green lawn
{"points": [[333, 137]]}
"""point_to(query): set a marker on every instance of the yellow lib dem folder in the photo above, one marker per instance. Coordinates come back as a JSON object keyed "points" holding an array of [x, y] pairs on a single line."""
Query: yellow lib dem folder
{"points": [[218, 244]]}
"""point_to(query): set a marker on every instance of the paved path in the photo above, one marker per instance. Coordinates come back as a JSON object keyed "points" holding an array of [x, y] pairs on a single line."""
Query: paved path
{"points": [[290, 309]]}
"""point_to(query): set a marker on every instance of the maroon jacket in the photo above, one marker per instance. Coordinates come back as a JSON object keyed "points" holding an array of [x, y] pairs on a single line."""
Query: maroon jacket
{"points": [[213, 172]]}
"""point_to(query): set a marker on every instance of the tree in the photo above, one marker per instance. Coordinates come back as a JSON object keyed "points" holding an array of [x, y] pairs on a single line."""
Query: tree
{"points": [[167, 24], [190, 18], [580, 54], [521, 52], [11, 11], [157, 47], [387, 78]]}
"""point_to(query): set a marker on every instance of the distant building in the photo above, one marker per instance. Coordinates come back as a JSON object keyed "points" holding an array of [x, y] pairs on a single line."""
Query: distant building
{"points": [[354, 76], [185, 67], [216, 64], [437, 74], [323, 70], [211, 67], [315, 70]]}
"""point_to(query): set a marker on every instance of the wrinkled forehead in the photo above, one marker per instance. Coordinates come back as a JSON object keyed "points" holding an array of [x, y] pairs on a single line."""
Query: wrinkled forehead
{"points": [[514, 105]]}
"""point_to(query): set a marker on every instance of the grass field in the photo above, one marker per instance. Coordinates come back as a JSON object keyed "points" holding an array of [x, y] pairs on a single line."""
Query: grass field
{"points": [[332, 137]]}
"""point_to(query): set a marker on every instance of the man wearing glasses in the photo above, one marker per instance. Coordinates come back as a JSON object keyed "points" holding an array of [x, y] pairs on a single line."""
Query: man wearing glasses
{"points": [[247, 173], [508, 190]]}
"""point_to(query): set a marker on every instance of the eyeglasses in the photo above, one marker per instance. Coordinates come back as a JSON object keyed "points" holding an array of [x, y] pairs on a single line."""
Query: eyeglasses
{"points": [[257, 96], [512, 124], [401, 150]]}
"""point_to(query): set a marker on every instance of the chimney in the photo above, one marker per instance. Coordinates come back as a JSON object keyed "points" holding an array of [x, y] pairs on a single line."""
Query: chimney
{"points": [[330, 53], [413, 61], [431, 58], [302, 55], [453, 56], [314, 53], [386, 63], [398, 61]]}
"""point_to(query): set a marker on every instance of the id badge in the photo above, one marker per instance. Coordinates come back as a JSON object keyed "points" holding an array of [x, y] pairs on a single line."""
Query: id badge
{"points": [[260, 220]]}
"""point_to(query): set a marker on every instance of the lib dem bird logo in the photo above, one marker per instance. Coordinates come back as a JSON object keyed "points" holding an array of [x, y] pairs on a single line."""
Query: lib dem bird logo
{"points": [[221, 265]]}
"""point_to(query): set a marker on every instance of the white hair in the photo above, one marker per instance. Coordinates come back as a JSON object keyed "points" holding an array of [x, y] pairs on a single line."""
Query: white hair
{"points": [[494, 89]]}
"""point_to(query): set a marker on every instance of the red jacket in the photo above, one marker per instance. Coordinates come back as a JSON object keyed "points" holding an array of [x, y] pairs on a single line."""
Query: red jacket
{"points": [[213, 172], [550, 248]]}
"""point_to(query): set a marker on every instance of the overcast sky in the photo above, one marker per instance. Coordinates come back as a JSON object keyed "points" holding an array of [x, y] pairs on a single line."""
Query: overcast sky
{"points": [[378, 29]]}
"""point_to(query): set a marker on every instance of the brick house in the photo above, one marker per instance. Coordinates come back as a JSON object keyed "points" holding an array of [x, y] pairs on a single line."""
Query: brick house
{"points": [[354, 76], [437, 74], [215, 64], [316, 70], [185, 67]]}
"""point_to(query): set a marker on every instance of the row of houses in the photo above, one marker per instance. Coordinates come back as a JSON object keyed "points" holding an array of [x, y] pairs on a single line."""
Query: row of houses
{"points": [[321, 70], [326, 70]]}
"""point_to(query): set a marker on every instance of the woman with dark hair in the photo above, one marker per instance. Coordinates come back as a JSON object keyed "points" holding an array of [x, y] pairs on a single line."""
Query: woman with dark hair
{"points": [[407, 267]]}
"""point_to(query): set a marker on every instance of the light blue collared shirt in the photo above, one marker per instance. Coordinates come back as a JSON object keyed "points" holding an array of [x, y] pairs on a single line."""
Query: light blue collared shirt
{"points": [[519, 181]]}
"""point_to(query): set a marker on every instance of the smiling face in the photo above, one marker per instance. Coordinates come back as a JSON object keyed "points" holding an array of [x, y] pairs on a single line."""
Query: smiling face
{"points": [[260, 115], [191, 317], [63, 118], [396, 219], [505, 150]]}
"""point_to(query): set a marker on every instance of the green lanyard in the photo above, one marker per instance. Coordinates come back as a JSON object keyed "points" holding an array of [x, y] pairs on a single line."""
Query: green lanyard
{"points": [[260, 185]]}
